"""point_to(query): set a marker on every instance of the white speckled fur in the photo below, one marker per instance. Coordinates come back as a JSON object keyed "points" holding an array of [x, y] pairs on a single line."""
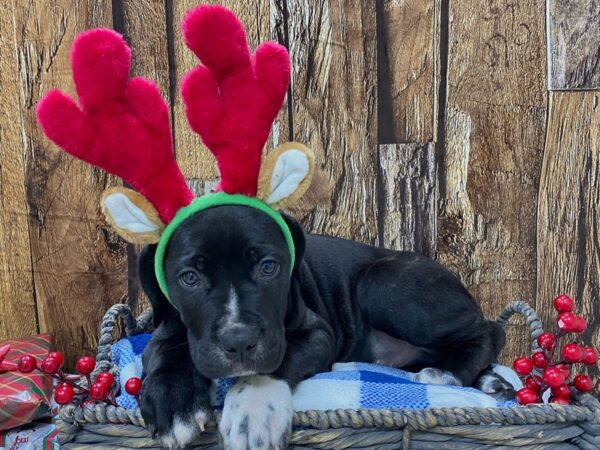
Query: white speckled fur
{"points": [[257, 414]]}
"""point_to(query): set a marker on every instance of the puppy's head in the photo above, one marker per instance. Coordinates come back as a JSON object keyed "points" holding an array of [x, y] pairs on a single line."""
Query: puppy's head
{"points": [[228, 275]]}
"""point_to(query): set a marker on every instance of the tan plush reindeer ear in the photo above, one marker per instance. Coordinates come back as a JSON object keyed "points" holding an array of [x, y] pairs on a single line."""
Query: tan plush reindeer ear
{"points": [[131, 215], [285, 174]]}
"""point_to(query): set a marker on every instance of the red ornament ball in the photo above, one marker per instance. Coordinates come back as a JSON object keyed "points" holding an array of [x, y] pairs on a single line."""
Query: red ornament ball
{"points": [[567, 321], [564, 369], [580, 325], [563, 303], [561, 391], [98, 391], [539, 360], [546, 341], [572, 353], [133, 386], [533, 383], [58, 356], [85, 365], [27, 364], [559, 401], [49, 365], [553, 377], [590, 356], [526, 396], [63, 394], [105, 378], [583, 383], [522, 366]]}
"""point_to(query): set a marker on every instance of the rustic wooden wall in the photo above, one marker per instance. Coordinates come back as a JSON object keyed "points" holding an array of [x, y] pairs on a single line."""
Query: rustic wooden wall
{"points": [[468, 131]]}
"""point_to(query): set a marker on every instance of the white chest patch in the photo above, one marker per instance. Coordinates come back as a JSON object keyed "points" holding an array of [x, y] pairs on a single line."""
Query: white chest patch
{"points": [[257, 414]]}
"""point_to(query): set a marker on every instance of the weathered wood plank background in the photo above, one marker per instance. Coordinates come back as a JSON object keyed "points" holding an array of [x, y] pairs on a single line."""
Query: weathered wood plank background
{"points": [[439, 125]]}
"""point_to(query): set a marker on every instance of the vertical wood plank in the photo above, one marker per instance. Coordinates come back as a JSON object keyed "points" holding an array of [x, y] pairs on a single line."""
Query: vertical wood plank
{"points": [[144, 26], [409, 212], [195, 160], [17, 296], [334, 101], [573, 44], [568, 215], [405, 72], [79, 266], [493, 146]]}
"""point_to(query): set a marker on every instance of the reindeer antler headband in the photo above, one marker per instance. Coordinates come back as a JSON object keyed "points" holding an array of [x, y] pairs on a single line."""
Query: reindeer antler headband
{"points": [[122, 126]]}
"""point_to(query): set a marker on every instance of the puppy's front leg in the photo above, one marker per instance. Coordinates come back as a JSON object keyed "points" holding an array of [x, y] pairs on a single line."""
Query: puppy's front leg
{"points": [[258, 410], [175, 402]]}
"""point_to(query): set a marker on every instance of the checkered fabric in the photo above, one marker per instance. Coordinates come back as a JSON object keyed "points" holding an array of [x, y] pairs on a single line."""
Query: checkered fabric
{"points": [[25, 397]]}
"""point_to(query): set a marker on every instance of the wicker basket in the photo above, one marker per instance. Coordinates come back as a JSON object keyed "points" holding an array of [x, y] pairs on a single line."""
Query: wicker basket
{"points": [[533, 427]]}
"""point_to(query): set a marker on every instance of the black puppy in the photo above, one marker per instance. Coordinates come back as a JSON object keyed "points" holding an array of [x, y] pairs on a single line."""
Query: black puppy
{"points": [[239, 313]]}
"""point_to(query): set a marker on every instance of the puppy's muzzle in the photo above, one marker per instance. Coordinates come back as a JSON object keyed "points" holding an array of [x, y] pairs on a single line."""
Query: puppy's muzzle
{"points": [[239, 342]]}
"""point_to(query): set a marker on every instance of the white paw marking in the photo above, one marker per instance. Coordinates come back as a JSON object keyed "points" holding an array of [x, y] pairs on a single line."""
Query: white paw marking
{"points": [[257, 414], [183, 431], [429, 375]]}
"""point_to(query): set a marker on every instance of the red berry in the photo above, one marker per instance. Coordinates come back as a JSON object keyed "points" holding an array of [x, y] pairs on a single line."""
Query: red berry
{"points": [[590, 356], [531, 383], [563, 303], [546, 341], [572, 353], [559, 401], [105, 378], [85, 365], [567, 321], [564, 369], [539, 360], [522, 366], [561, 391], [27, 364], [583, 383], [58, 356], [49, 365], [133, 386], [63, 394], [553, 377], [580, 325], [98, 391], [525, 396]]}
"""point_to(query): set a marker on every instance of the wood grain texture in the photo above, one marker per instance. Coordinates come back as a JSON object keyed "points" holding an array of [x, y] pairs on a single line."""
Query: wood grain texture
{"points": [[144, 26], [568, 212], [79, 266], [405, 73], [194, 159], [409, 211], [17, 297], [493, 146], [334, 98], [573, 44]]}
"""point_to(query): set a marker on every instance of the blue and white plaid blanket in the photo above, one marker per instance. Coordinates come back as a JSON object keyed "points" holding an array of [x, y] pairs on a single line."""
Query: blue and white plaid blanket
{"points": [[347, 386]]}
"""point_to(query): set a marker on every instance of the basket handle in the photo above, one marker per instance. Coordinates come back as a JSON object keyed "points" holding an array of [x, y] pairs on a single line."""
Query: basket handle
{"points": [[107, 326], [531, 318]]}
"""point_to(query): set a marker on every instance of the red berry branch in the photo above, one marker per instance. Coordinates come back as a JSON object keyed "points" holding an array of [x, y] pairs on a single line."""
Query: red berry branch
{"points": [[547, 370], [70, 386]]}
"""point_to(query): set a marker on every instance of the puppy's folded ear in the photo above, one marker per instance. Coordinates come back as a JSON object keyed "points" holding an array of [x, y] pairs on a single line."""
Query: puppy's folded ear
{"points": [[297, 235], [161, 307]]}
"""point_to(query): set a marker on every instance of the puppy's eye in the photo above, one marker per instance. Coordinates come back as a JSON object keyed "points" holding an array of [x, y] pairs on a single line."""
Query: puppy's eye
{"points": [[189, 278], [269, 267]]}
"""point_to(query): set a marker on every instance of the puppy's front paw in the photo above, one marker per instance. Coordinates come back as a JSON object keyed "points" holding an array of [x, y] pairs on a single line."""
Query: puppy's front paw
{"points": [[174, 411], [431, 375], [257, 414]]}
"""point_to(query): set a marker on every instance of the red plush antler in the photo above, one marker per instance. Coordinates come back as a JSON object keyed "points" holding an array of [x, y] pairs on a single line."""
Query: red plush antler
{"points": [[232, 98], [123, 124]]}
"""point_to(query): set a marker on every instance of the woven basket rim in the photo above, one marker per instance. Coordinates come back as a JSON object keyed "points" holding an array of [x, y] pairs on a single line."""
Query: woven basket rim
{"points": [[586, 408]]}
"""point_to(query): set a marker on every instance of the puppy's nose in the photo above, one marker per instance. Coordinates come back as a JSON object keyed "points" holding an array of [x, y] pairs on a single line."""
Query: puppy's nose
{"points": [[240, 341]]}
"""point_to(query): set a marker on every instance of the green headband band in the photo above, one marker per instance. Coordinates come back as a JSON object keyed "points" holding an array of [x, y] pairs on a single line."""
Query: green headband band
{"points": [[209, 201]]}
